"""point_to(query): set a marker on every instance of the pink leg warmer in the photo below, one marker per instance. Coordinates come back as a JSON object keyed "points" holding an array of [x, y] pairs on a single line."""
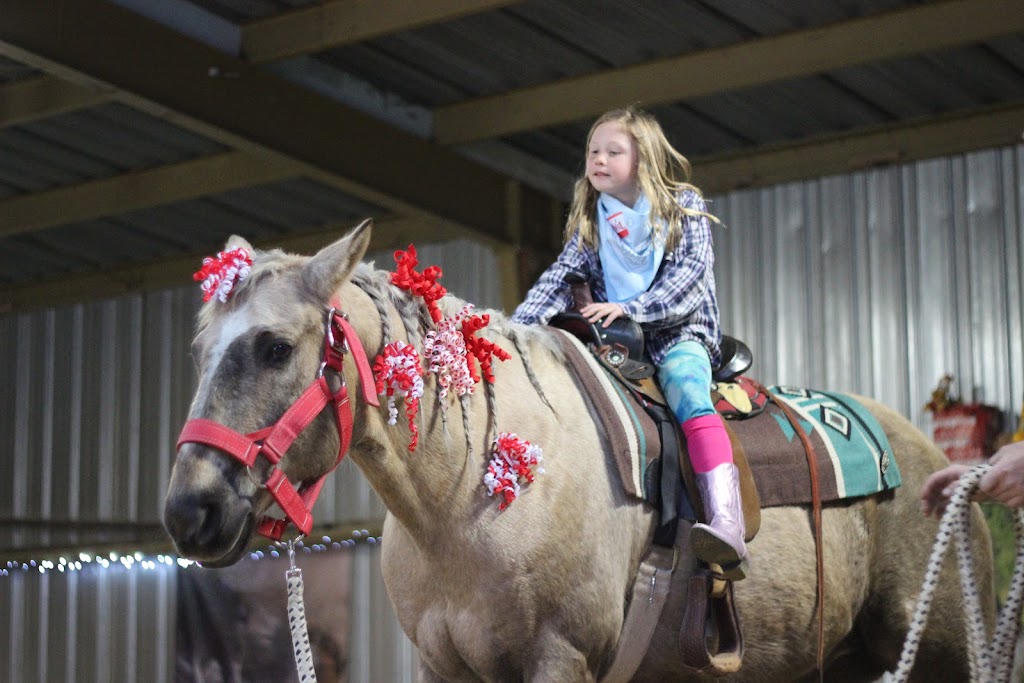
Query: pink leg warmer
{"points": [[708, 442]]}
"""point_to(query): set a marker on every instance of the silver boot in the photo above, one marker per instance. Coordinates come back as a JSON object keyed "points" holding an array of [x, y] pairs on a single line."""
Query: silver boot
{"points": [[720, 541]]}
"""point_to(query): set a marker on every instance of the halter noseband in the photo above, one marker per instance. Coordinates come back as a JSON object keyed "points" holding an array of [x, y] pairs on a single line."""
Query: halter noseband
{"points": [[272, 442]]}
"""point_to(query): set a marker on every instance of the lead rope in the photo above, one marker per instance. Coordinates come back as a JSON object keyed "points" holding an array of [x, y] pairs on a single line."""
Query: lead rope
{"points": [[988, 665], [297, 620]]}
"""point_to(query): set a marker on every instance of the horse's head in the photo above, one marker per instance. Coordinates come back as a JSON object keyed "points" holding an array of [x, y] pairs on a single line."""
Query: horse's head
{"points": [[257, 355]]}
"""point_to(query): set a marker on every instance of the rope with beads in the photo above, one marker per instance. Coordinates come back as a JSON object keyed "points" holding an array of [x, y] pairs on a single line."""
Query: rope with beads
{"points": [[991, 663], [297, 620]]}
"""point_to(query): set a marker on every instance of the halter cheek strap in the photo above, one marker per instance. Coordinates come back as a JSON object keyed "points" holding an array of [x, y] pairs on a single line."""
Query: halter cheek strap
{"points": [[273, 442]]}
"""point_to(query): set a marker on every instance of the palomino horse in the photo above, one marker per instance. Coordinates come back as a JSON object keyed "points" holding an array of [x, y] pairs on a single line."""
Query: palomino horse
{"points": [[536, 591]]}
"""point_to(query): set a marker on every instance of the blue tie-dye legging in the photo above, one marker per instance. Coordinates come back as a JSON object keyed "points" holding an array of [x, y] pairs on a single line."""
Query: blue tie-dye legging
{"points": [[685, 378]]}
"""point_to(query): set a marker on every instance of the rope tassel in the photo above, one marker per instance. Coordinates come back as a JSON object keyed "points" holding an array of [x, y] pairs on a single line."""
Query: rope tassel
{"points": [[991, 664], [297, 621]]}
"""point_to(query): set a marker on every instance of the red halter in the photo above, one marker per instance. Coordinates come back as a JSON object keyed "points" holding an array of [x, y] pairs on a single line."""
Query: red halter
{"points": [[272, 442]]}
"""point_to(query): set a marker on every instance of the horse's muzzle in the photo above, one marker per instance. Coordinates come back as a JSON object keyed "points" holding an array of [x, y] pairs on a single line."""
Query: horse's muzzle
{"points": [[207, 520]]}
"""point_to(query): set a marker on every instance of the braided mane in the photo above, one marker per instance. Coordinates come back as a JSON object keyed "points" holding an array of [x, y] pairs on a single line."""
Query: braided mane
{"points": [[376, 284]]}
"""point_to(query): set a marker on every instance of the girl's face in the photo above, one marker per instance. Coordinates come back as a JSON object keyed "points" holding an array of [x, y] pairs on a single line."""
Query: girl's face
{"points": [[611, 162]]}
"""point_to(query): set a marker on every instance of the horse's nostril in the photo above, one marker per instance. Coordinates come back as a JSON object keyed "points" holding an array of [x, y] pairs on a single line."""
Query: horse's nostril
{"points": [[193, 520]]}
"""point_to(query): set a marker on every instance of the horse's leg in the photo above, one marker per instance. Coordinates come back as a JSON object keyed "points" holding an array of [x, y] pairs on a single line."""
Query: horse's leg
{"points": [[558, 661], [427, 675], [903, 543]]}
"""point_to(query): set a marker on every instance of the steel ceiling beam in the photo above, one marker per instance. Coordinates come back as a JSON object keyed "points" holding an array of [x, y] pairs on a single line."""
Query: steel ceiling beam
{"points": [[159, 71], [45, 95], [140, 190], [389, 232], [921, 29], [835, 154], [320, 27]]}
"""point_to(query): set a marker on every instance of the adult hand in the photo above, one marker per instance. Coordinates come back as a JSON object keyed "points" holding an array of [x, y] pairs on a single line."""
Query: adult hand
{"points": [[1005, 481], [938, 489], [607, 310]]}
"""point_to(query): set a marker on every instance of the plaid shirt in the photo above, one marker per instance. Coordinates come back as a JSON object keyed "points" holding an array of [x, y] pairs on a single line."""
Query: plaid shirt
{"points": [[679, 305]]}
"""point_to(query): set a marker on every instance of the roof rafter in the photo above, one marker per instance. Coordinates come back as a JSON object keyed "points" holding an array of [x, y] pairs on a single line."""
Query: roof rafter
{"points": [[44, 95], [319, 27], [244, 107], [132, 191], [389, 232], [921, 29], [835, 154]]}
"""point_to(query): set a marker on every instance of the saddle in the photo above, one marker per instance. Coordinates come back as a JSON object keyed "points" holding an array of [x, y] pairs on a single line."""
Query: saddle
{"points": [[709, 639]]}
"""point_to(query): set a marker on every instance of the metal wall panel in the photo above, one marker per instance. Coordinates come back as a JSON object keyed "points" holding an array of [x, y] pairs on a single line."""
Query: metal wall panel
{"points": [[875, 283], [880, 282]]}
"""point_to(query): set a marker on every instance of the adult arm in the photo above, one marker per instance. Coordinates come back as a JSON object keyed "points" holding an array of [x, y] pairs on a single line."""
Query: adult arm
{"points": [[1003, 483]]}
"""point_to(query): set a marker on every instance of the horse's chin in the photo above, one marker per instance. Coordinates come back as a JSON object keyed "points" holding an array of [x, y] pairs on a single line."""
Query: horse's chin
{"points": [[217, 554]]}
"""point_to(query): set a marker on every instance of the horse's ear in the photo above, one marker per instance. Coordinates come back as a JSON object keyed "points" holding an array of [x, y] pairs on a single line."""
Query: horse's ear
{"points": [[333, 265], [238, 241]]}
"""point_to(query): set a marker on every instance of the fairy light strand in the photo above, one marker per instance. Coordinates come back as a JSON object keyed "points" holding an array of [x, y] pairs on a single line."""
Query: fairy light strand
{"points": [[83, 561]]}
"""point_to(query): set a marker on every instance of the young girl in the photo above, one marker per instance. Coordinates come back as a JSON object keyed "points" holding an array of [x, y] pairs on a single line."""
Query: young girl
{"points": [[639, 232]]}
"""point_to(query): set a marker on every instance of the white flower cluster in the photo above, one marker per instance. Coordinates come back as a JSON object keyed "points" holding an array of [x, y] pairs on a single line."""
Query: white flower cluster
{"points": [[445, 349], [236, 271], [514, 458], [402, 376]]}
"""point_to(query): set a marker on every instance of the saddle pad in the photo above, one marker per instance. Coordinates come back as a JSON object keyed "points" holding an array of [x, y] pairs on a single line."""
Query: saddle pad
{"points": [[631, 433], [853, 453]]}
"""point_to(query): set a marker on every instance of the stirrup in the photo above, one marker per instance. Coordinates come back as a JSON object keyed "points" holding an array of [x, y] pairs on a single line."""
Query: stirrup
{"points": [[713, 550]]}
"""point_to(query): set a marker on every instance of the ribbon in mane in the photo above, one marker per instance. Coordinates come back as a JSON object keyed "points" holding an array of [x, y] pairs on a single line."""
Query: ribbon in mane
{"points": [[451, 351]]}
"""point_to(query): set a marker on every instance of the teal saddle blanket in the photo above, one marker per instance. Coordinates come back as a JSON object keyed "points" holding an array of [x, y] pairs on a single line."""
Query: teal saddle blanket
{"points": [[852, 452]]}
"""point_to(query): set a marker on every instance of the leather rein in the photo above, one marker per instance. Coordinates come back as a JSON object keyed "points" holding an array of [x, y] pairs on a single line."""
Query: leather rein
{"points": [[273, 442]]}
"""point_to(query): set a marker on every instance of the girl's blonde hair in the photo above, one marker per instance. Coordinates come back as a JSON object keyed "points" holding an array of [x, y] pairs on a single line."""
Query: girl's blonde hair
{"points": [[662, 173]]}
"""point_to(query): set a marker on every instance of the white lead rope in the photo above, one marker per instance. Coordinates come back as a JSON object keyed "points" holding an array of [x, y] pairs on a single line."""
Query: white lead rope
{"points": [[991, 663], [297, 620]]}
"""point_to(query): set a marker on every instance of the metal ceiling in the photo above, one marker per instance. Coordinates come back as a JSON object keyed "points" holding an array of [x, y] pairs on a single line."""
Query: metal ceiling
{"points": [[137, 135]]}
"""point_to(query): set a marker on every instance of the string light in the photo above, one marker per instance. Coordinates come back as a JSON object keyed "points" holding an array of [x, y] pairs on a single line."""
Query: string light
{"points": [[143, 562]]}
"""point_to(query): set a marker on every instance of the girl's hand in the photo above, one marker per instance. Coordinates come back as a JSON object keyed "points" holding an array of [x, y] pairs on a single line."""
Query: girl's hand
{"points": [[608, 311]]}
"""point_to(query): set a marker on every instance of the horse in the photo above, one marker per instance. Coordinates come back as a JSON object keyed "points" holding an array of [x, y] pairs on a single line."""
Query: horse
{"points": [[535, 590]]}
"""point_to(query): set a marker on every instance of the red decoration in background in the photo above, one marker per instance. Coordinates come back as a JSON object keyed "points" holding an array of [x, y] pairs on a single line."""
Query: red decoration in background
{"points": [[966, 432], [420, 284]]}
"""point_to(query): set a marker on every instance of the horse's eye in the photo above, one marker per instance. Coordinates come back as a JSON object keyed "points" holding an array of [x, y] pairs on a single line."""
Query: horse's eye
{"points": [[279, 352]]}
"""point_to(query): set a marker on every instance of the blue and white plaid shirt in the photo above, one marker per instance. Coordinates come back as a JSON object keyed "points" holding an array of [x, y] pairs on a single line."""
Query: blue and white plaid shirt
{"points": [[679, 305]]}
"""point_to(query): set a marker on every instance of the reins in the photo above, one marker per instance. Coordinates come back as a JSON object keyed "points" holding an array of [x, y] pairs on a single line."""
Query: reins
{"points": [[990, 661], [296, 502]]}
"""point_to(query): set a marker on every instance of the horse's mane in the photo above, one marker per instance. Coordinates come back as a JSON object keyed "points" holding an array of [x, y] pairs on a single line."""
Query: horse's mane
{"points": [[412, 311], [416, 320]]}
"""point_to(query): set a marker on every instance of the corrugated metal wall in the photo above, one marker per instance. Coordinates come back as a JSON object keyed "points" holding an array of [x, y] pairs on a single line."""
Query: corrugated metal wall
{"points": [[880, 282], [876, 283]]}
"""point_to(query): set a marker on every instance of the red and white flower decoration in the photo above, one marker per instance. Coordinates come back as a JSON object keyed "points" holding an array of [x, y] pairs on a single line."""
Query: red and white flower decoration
{"points": [[219, 274], [398, 373], [513, 459], [451, 351], [445, 350]]}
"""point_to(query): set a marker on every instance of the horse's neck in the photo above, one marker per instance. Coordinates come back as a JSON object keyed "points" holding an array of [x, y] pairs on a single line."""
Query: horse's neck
{"points": [[433, 482]]}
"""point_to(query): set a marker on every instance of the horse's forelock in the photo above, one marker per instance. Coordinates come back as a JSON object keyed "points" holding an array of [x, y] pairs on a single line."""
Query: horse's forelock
{"points": [[266, 265]]}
